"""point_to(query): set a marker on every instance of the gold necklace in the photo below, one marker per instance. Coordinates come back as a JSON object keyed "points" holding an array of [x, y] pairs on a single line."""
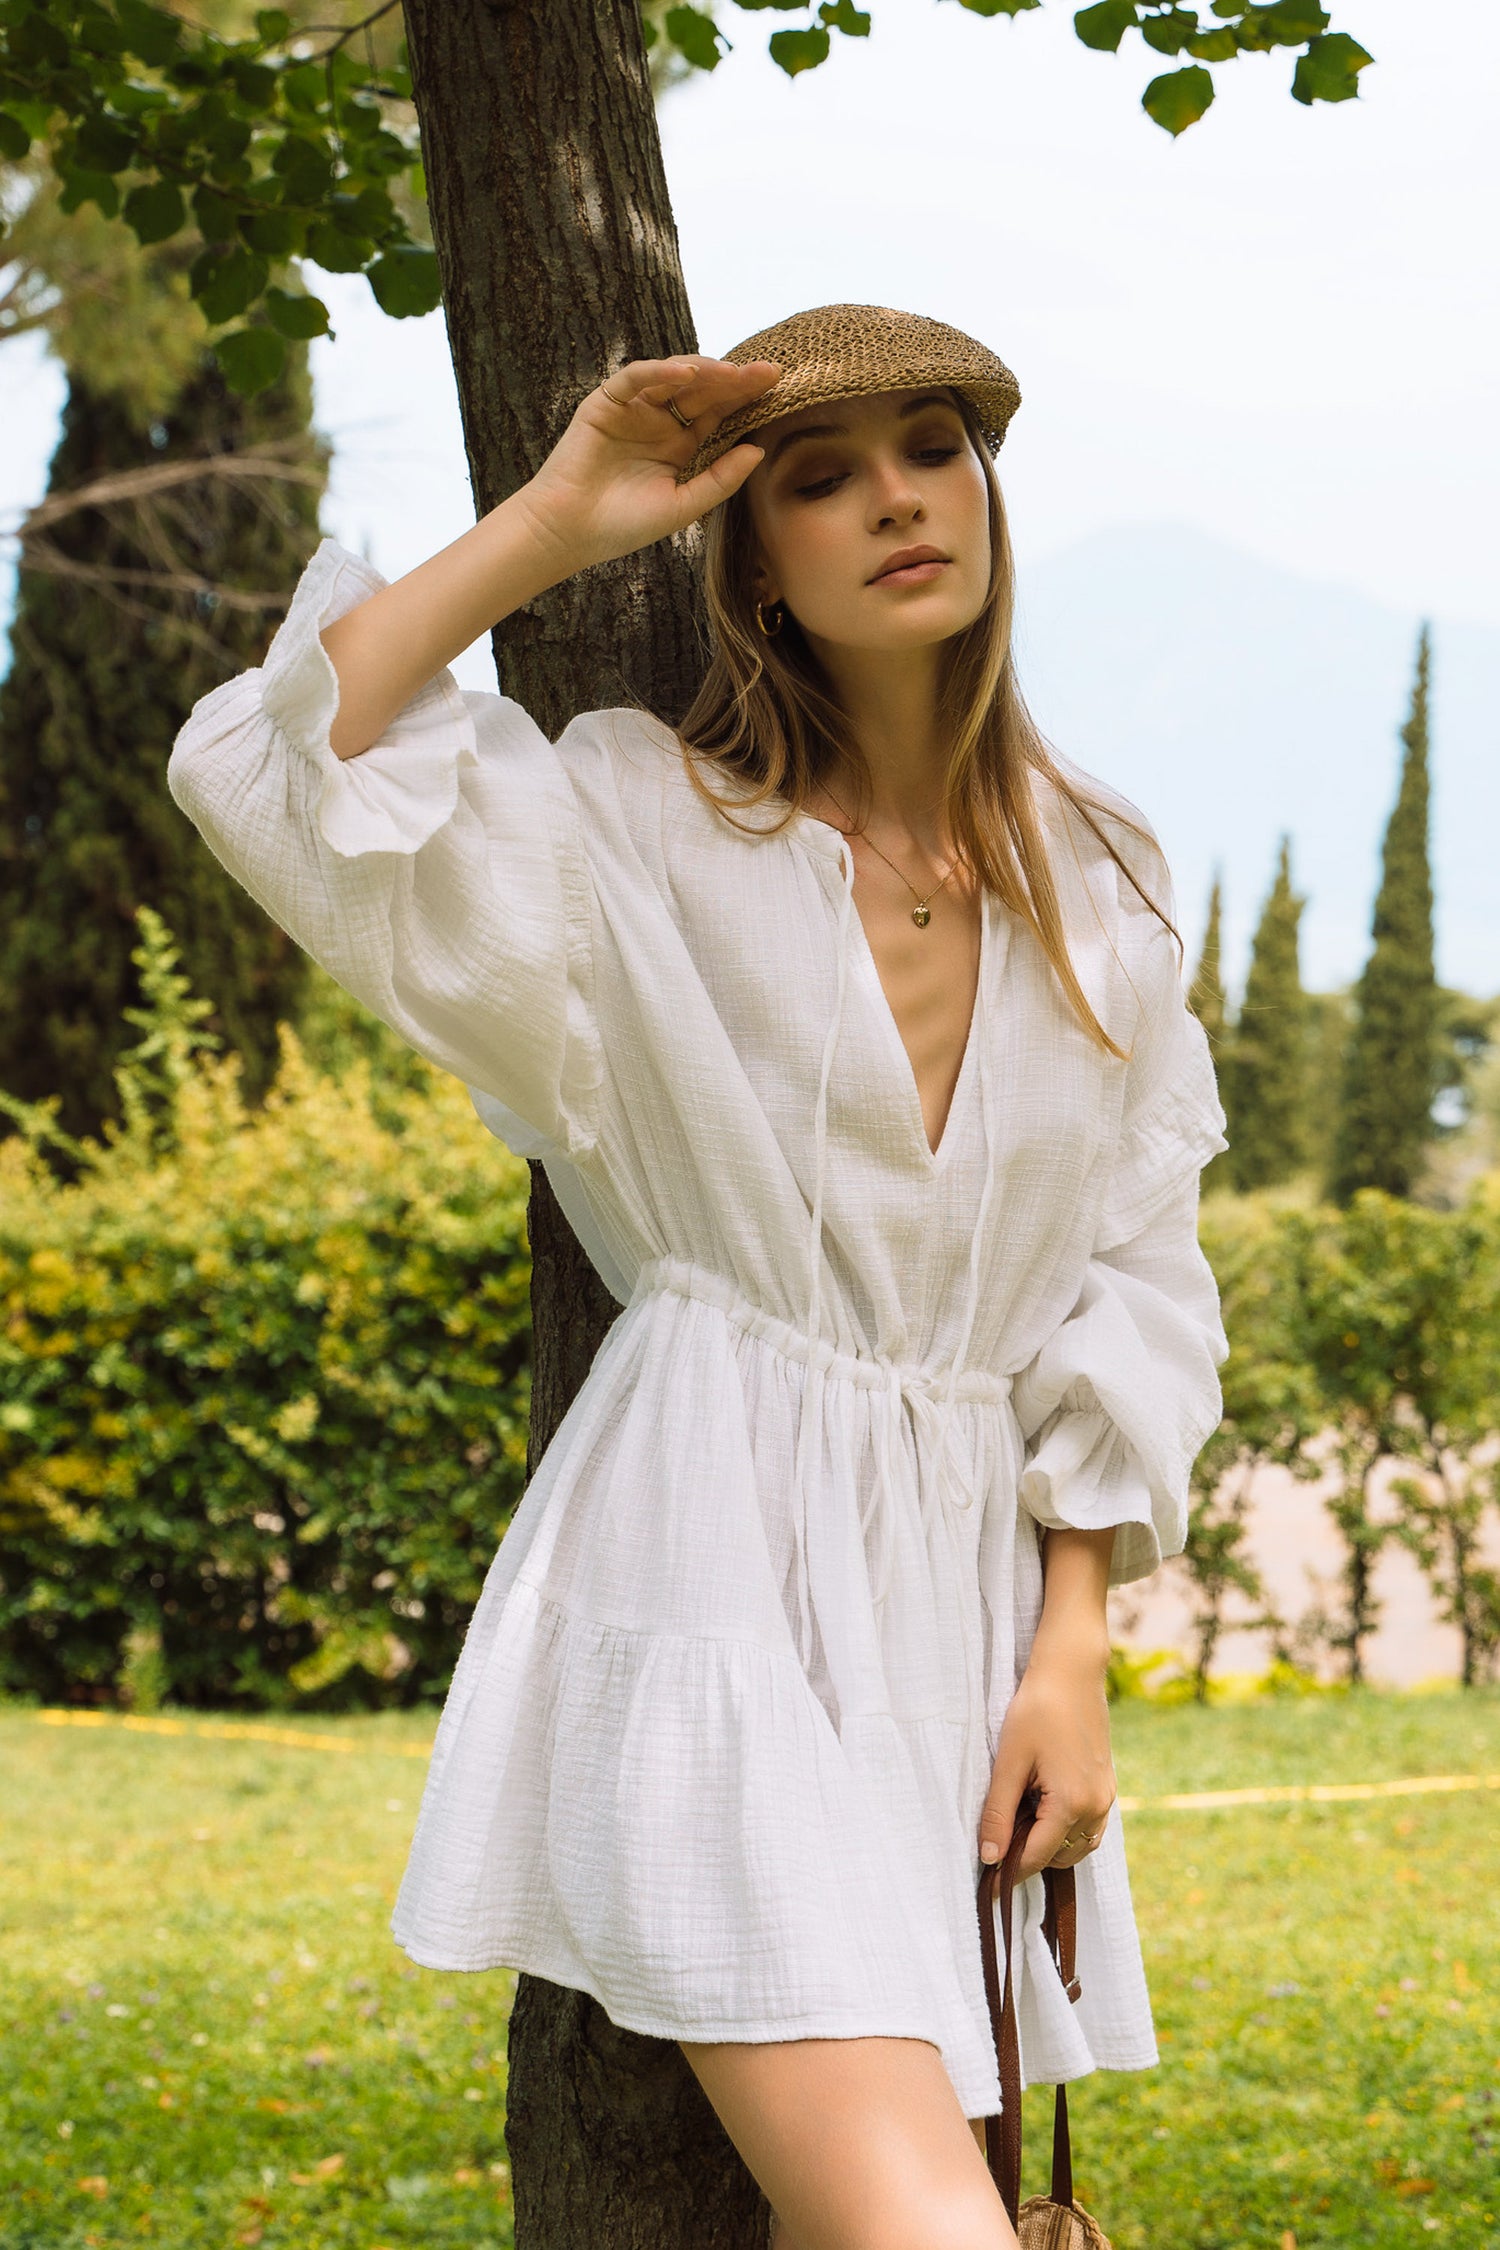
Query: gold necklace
{"points": [[921, 913]]}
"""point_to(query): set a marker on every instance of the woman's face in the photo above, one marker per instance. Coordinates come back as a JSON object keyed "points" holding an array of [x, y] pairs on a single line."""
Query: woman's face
{"points": [[846, 489]]}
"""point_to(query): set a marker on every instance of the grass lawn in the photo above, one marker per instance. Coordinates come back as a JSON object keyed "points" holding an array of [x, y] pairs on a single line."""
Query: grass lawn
{"points": [[210, 2038]]}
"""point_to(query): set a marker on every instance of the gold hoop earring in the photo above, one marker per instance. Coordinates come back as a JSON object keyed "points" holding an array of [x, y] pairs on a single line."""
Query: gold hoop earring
{"points": [[770, 631]]}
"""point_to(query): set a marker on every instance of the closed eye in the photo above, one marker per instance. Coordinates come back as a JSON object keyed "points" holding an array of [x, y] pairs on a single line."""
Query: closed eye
{"points": [[929, 453]]}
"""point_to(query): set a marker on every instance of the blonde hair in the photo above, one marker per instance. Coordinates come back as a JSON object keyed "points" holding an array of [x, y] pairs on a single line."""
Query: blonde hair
{"points": [[765, 714]]}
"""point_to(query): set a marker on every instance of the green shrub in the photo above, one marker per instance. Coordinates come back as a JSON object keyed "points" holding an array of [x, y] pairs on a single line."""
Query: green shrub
{"points": [[264, 1380]]}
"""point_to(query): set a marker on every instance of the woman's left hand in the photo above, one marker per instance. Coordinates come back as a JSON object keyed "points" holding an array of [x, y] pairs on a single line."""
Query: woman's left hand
{"points": [[1054, 1738]]}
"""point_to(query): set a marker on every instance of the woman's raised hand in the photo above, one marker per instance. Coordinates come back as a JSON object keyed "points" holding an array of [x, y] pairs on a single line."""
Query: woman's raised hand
{"points": [[610, 484]]}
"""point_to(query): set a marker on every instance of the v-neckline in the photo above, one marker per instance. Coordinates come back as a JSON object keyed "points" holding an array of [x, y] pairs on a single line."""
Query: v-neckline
{"points": [[933, 1159]]}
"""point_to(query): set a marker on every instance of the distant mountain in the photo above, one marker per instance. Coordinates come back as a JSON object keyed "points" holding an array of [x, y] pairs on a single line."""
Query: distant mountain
{"points": [[1232, 699]]}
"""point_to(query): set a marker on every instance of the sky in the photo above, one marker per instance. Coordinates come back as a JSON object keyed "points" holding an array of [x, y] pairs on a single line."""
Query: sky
{"points": [[1281, 330]]}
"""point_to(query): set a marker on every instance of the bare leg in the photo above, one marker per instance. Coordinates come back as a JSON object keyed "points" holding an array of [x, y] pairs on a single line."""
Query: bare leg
{"points": [[781, 2240], [857, 2144]]}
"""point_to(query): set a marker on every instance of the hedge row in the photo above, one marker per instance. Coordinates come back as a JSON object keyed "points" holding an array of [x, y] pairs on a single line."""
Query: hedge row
{"points": [[264, 1385]]}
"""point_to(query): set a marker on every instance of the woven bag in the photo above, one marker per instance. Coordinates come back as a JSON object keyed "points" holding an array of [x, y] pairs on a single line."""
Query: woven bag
{"points": [[1042, 2222]]}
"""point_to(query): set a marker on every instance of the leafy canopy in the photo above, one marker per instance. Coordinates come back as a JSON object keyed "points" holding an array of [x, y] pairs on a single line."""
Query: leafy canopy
{"points": [[276, 148], [270, 146], [1327, 70]]}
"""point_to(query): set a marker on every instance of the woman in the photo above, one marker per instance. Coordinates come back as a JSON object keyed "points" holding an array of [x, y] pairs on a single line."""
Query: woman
{"points": [[851, 1032]]}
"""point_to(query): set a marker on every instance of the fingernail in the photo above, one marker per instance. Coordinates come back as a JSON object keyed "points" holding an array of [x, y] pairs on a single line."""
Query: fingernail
{"points": [[989, 1853]]}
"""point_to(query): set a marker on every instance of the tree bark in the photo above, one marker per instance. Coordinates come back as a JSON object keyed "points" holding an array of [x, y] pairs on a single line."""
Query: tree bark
{"points": [[558, 252]]}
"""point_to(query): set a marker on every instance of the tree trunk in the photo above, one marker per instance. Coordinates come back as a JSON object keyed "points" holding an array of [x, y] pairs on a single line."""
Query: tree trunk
{"points": [[559, 259]]}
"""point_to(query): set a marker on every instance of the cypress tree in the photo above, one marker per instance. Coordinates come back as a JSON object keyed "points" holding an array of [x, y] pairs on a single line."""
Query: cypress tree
{"points": [[101, 679], [1390, 1063], [1207, 1000], [1206, 995], [1265, 1071]]}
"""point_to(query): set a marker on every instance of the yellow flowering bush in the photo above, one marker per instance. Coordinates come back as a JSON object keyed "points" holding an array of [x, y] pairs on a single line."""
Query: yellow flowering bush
{"points": [[264, 1378]]}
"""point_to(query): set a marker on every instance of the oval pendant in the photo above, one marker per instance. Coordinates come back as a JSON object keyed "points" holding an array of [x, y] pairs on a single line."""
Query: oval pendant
{"points": [[921, 915]]}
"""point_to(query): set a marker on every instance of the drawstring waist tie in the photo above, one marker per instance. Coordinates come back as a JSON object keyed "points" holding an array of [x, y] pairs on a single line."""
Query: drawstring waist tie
{"points": [[931, 1484]]}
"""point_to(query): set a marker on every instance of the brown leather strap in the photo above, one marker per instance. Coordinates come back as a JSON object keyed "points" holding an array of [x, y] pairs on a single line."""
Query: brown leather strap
{"points": [[1002, 2134]]}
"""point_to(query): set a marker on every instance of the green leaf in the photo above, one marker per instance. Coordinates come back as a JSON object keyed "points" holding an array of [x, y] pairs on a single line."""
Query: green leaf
{"points": [[1169, 34], [227, 139], [842, 15], [279, 234], [1178, 99], [35, 40], [251, 358], [226, 279], [347, 69], [998, 7], [14, 138], [101, 144], [155, 211], [370, 212], [649, 32], [1218, 45], [1105, 26], [217, 215], [405, 281], [192, 70], [797, 51], [304, 89], [150, 33], [696, 37], [305, 167], [383, 154], [1329, 71], [272, 25], [296, 314], [1293, 20], [97, 34], [785, 6], [335, 251], [1286, 23], [359, 117], [133, 98], [80, 186], [255, 84]]}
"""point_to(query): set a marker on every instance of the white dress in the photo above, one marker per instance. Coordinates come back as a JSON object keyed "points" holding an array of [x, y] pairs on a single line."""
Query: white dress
{"points": [[722, 1725]]}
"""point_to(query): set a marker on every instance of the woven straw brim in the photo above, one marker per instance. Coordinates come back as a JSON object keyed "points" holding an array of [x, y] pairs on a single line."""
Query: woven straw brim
{"points": [[853, 351]]}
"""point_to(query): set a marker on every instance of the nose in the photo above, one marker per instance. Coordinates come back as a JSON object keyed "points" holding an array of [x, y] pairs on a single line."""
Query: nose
{"points": [[895, 498]]}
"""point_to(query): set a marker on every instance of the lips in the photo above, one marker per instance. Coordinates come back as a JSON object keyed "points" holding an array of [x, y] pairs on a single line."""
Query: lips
{"points": [[905, 557]]}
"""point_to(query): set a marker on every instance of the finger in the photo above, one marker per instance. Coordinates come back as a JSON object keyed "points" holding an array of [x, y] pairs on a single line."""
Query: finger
{"points": [[718, 480], [624, 387], [694, 382], [721, 387], [998, 1820], [1081, 1837], [1044, 1846]]}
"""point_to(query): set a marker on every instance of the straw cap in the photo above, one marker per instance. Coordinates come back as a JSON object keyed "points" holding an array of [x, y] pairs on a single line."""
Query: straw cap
{"points": [[852, 351]]}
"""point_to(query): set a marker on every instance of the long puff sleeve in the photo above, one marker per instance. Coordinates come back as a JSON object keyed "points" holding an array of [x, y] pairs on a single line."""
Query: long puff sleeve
{"points": [[440, 876], [1120, 1398]]}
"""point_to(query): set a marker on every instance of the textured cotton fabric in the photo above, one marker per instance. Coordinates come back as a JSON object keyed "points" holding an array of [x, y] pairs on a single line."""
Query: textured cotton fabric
{"points": [[722, 1726]]}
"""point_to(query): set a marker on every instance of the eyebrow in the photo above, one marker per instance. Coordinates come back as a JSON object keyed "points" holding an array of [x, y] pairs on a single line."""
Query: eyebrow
{"points": [[841, 429]]}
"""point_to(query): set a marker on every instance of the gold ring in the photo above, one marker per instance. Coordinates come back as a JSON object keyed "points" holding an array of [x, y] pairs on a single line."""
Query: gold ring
{"points": [[677, 414], [609, 394]]}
